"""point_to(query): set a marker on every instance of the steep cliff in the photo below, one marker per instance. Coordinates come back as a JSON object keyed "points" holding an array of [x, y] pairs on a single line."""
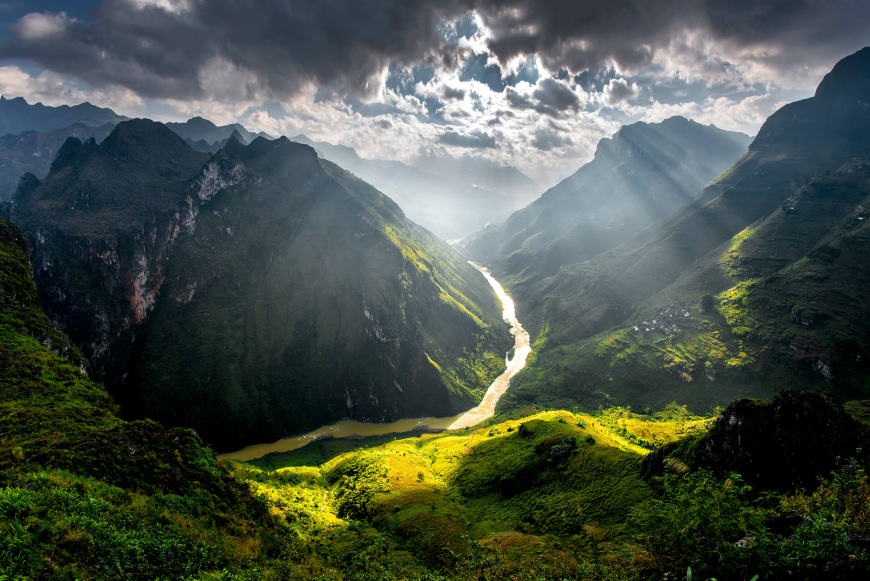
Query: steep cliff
{"points": [[102, 225]]}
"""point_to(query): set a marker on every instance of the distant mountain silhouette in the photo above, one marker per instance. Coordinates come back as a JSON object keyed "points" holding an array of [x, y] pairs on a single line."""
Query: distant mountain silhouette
{"points": [[199, 129], [33, 152], [446, 207], [17, 116], [639, 176]]}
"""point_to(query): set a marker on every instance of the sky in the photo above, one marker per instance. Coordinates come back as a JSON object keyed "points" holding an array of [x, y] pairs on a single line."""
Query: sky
{"points": [[529, 83]]}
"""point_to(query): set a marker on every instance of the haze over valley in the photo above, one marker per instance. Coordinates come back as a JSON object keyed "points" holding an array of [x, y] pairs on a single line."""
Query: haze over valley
{"points": [[439, 290]]}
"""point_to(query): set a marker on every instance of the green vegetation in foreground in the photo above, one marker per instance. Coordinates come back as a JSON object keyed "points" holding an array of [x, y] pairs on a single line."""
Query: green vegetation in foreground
{"points": [[530, 495]]}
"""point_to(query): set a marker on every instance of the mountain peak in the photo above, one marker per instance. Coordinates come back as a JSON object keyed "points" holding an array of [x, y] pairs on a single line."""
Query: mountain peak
{"points": [[850, 77], [137, 134], [237, 136]]}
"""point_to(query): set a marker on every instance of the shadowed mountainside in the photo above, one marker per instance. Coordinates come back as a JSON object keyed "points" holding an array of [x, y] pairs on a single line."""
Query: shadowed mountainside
{"points": [[254, 294]]}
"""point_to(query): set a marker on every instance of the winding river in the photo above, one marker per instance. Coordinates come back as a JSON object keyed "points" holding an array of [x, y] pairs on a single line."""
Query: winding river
{"points": [[486, 408]]}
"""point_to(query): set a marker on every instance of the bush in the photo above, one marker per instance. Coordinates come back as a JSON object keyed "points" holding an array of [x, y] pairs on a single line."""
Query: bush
{"points": [[562, 450]]}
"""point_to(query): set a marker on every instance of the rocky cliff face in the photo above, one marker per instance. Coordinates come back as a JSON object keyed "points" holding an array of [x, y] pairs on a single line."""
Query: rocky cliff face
{"points": [[102, 229], [255, 293]]}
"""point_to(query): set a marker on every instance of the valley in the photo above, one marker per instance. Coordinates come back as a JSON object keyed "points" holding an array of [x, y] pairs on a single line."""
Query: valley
{"points": [[354, 429]]}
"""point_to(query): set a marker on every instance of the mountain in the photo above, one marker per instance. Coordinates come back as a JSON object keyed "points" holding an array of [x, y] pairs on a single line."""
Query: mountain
{"points": [[201, 145], [447, 208], [758, 283], [197, 129], [638, 177], [17, 116], [471, 171], [255, 293], [33, 152], [342, 155]]}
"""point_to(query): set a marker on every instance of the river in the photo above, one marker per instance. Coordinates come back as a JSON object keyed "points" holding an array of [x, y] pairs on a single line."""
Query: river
{"points": [[484, 410]]}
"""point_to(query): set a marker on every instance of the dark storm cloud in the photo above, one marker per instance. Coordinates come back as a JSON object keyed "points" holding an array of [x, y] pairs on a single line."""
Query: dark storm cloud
{"points": [[475, 139], [556, 95], [619, 90], [283, 43], [545, 140], [346, 45], [629, 31], [550, 97], [453, 94]]}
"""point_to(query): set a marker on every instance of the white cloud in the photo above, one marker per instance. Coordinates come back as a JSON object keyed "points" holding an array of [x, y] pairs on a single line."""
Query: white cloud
{"points": [[36, 26], [52, 89], [745, 115], [174, 6]]}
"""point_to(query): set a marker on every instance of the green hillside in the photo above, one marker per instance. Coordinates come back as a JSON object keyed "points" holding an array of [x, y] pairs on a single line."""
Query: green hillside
{"points": [[776, 241]]}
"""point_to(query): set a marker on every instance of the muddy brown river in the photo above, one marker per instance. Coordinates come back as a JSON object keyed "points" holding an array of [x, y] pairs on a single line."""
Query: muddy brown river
{"points": [[484, 410]]}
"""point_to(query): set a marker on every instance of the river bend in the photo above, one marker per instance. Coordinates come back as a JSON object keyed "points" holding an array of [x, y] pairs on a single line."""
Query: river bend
{"points": [[484, 410]]}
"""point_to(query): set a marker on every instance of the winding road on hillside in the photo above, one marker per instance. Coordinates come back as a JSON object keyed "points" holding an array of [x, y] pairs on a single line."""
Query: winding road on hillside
{"points": [[484, 410]]}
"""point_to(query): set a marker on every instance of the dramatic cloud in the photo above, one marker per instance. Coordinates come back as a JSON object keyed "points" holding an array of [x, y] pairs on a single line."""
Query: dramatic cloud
{"points": [[162, 48], [618, 90], [476, 139], [546, 139], [549, 97], [531, 83]]}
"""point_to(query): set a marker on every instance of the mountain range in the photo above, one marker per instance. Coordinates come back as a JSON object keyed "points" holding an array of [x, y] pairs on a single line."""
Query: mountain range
{"points": [[755, 284], [261, 288], [17, 116], [33, 152], [198, 129], [453, 199], [450, 207], [637, 178]]}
